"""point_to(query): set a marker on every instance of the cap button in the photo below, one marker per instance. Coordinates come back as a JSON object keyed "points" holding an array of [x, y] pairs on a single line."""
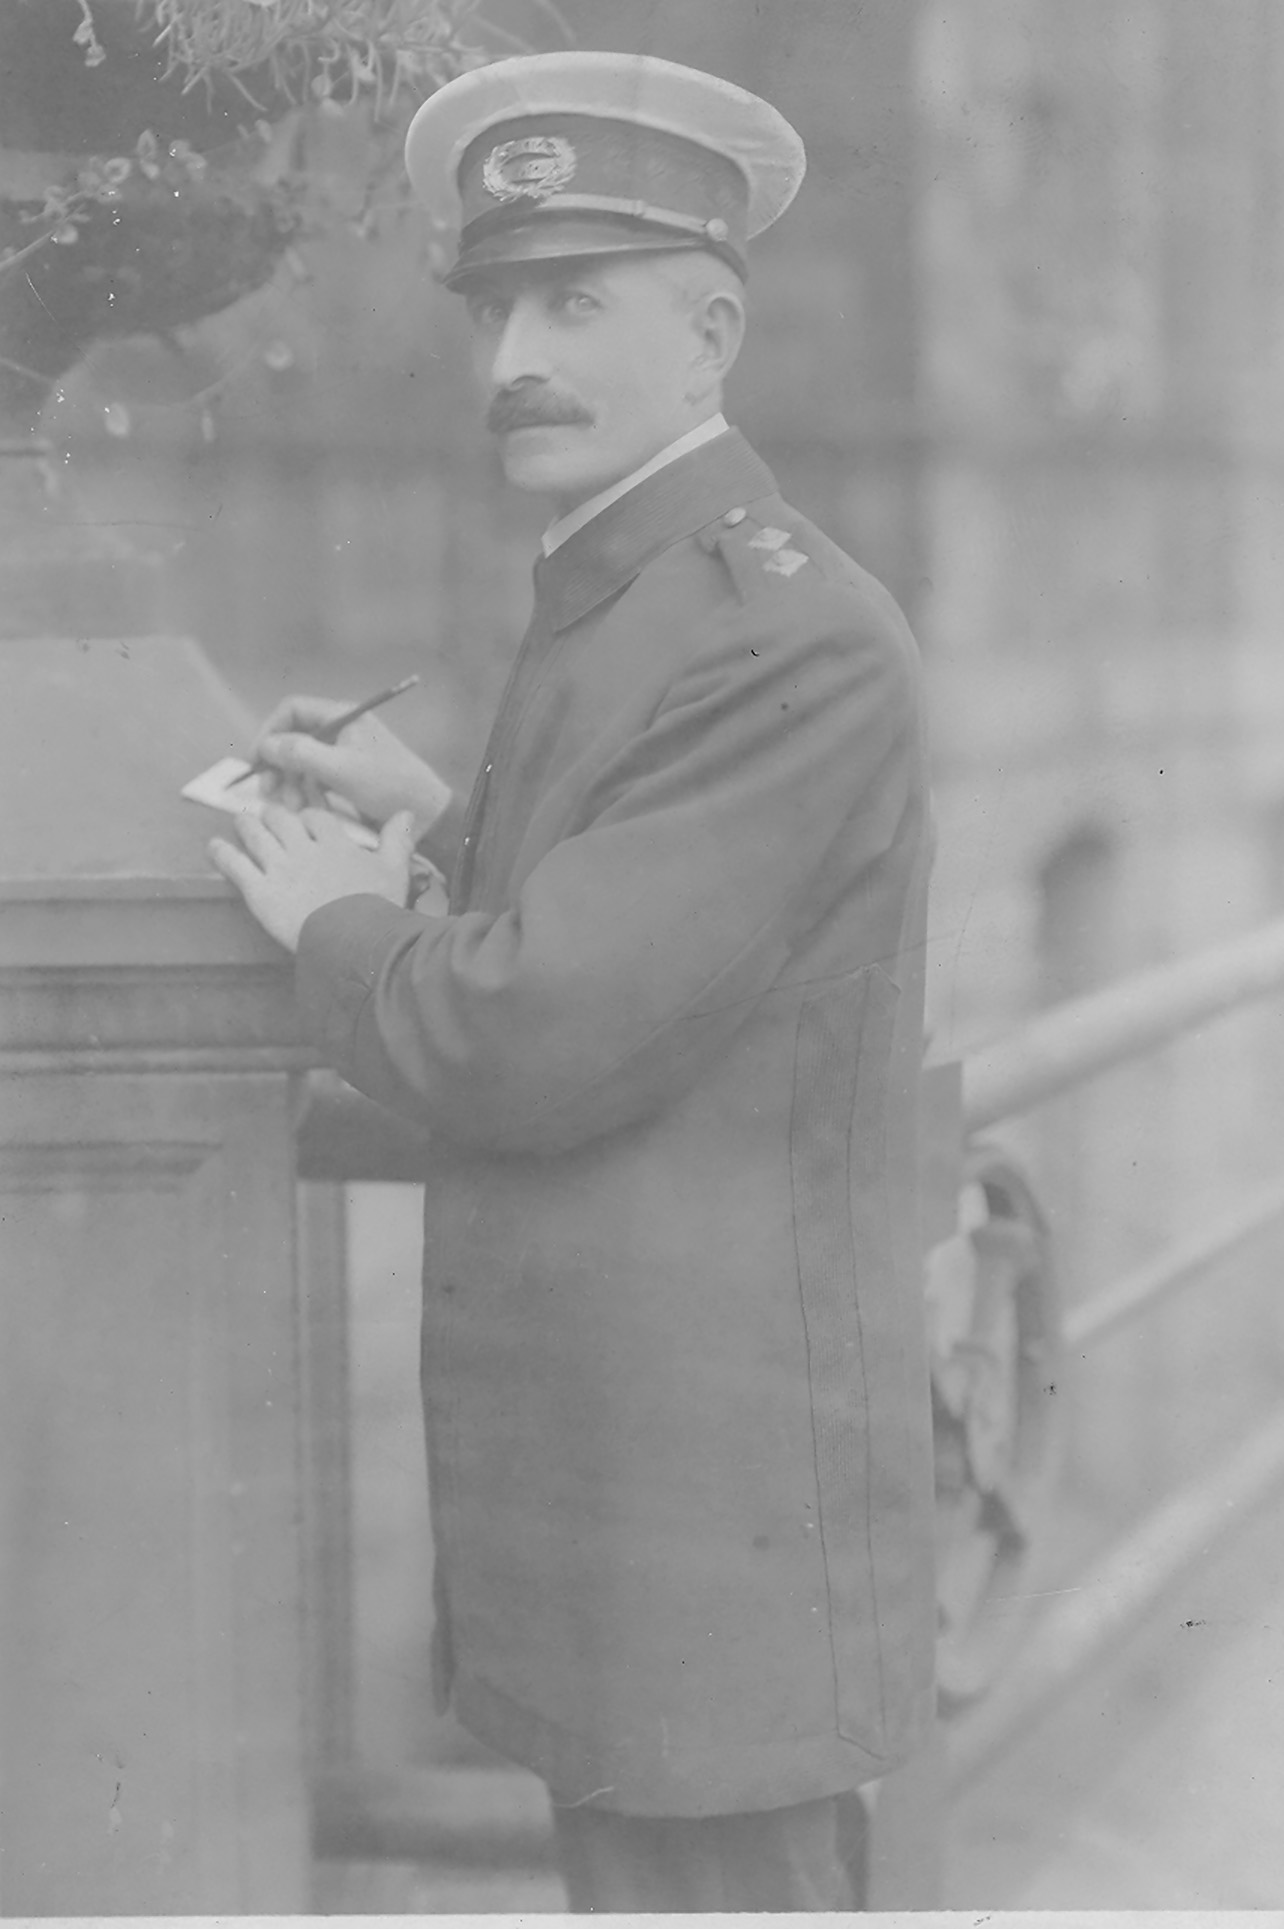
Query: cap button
{"points": [[734, 516], [717, 229]]}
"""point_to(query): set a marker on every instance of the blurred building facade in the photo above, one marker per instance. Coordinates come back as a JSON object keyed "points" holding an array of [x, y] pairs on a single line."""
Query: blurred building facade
{"points": [[1020, 348], [1102, 319]]}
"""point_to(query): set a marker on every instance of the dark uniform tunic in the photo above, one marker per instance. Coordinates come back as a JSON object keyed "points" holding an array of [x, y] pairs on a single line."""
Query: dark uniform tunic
{"points": [[668, 1042]]}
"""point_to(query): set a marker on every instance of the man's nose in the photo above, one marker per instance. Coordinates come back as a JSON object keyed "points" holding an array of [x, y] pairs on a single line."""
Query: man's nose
{"points": [[522, 351]]}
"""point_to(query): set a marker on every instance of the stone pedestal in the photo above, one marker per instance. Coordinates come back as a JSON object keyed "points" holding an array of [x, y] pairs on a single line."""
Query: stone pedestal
{"points": [[152, 1640]]}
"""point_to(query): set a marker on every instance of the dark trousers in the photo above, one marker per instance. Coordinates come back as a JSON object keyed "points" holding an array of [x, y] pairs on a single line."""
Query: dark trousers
{"points": [[810, 1857]]}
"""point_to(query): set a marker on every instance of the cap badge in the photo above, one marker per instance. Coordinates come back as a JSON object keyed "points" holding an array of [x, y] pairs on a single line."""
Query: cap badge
{"points": [[539, 165]]}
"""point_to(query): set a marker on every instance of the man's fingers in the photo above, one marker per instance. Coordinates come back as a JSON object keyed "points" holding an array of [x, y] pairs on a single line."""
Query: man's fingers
{"points": [[300, 713], [236, 867], [257, 839], [397, 838], [289, 792], [267, 836], [321, 823], [302, 756], [287, 826]]}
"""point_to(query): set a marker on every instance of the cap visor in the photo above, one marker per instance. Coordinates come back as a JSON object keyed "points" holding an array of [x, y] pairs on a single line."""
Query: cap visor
{"points": [[575, 240]]}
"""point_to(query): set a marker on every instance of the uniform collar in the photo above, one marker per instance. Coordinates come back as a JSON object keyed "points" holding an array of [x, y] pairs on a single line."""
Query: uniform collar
{"points": [[672, 502], [558, 532]]}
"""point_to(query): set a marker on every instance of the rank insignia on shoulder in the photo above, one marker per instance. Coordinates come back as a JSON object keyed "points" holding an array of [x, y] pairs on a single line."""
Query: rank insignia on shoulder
{"points": [[785, 562], [780, 560], [737, 540]]}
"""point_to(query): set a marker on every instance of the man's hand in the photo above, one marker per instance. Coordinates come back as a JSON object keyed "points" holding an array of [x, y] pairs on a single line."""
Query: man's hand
{"points": [[292, 864], [369, 766]]}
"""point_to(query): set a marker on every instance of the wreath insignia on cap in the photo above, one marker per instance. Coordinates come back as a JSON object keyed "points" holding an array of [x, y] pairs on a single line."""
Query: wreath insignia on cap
{"points": [[536, 167]]}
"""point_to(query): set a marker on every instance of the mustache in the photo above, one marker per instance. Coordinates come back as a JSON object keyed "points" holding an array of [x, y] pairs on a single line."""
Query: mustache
{"points": [[533, 409]]}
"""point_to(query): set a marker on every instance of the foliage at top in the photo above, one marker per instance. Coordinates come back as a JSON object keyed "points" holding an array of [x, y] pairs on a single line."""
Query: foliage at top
{"points": [[329, 48], [306, 50], [177, 150]]}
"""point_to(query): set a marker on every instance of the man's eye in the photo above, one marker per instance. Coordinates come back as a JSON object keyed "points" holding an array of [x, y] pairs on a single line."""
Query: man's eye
{"points": [[487, 314], [576, 301]]}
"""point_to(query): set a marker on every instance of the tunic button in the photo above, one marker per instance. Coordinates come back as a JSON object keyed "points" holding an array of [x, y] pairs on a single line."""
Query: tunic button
{"points": [[734, 516], [488, 769]]}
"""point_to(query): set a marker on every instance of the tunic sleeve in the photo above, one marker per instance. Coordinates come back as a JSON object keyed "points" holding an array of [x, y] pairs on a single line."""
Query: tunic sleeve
{"points": [[774, 772]]}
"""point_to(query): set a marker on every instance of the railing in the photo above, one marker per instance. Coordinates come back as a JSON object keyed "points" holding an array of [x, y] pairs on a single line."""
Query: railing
{"points": [[472, 1818], [1045, 1058]]}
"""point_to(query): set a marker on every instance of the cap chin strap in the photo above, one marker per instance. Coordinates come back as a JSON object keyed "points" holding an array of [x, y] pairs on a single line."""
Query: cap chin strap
{"points": [[714, 235]]}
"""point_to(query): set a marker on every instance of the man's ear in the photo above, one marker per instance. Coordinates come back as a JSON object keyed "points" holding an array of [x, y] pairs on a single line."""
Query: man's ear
{"points": [[719, 322]]}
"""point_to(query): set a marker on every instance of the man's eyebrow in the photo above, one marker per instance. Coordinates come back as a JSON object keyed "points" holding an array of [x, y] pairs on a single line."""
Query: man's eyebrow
{"points": [[587, 273], [577, 268]]}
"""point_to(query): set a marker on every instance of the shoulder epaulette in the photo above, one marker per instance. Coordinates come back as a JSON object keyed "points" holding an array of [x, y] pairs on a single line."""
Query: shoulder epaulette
{"points": [[756, 554]]}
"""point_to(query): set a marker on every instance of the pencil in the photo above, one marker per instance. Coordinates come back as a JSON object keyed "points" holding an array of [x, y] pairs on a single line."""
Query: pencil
{"points": [[329, 732]]}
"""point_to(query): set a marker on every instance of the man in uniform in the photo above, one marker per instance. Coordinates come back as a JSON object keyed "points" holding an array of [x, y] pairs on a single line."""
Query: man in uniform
{"points": [[666, 1039]]}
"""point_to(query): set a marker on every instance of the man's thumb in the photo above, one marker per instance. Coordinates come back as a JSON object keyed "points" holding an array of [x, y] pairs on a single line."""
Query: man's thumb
{"points": [[299, 755], [397, 838]]}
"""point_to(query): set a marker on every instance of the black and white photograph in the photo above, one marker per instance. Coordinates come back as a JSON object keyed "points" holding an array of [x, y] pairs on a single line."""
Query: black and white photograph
{"points": [[642, 959]]}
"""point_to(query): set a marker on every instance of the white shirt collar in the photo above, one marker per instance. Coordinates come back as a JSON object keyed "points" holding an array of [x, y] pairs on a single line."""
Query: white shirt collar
{"points": [[557, 532]]}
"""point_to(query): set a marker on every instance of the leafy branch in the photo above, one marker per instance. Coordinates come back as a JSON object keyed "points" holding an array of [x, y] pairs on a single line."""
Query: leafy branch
{"points": [[307, 50]]}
